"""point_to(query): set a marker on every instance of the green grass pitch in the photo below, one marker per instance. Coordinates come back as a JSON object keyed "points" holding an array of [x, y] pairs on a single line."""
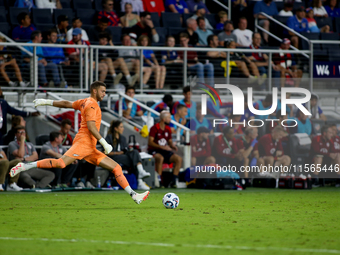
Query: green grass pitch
{"points": [[253, 221]]}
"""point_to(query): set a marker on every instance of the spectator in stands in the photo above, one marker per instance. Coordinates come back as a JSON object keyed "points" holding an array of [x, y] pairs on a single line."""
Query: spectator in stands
{"points": [[94, 31], [227, 148], [126, 157], [76, 23], [223, 17], [322, 151], [290, 74], [130, 109], [24, 4], [176, 6], [74, 53], [43, 65], [5, 167], [131, 57], [298, 23], [200, 12], [54, 149], [25, 152], [62, 28], [202, 32], [47, 4], [312, 25], [179, 116], [164, 105], [191, 105], [191, 32], [136, 6], [304, 125], [193, 4], [263, 104], [16, 121], [106, 57], [129, 19], [6, 60], [199, 121], [332, 9], [151, 62], [287, 10], [243, 63], [227, 34], [25, 29], [243, 34], [54, 55], [316, 111], [170, 57], [108, 13], [200, 147], [160, 146], [319, 10], [65, 128], [154, 6], [270, 150], [145, 27], [268, 7], [194, 65]]}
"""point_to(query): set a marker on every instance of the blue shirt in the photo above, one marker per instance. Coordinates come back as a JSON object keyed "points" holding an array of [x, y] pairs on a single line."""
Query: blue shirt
{"points": [[219, 26], [195, 124], [203, 36], [23, 33], [304, 127], [24, 4], [293, 23], [179, 5], [270, 10], [174, 126], [55, 55], [169, 55], [333, 13], [135, 108], [40, 52], [147, 55]]}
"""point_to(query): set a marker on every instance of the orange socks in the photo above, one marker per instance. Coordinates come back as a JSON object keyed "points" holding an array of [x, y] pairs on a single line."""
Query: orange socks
{"points": [[51, 163], [120, 178]]}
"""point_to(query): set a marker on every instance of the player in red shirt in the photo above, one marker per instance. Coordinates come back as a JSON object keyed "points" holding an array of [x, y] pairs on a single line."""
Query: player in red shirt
{"points": [[200, 147], [269, 149], [161, 146], [84, 144], [228, 148]]}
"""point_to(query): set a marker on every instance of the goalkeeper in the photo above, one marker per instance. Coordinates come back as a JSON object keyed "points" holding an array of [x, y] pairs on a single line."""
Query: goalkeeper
{"points": [[84, 144]]}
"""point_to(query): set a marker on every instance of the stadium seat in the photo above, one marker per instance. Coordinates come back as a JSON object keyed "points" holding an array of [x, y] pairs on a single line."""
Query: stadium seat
{"points": [[321, 21], [279, 5], [82, 4], [155, 19], [42, 16], [68, 12], [310, 36], [3, 14], [330, 37], [116, 33], [170, 19], [161, 31], [98, 5], [299, 146], [66, 4], [321, 54], [297, 5], [4, 28], [87, 16], [212, 19], [334, 55], [186, 16], [13, 14], [44, 28], [42, 139], [175, 30], [337, 24]]}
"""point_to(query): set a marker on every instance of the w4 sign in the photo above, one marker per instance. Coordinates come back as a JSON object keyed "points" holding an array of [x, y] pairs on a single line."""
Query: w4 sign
{"points": [[326, 69]]}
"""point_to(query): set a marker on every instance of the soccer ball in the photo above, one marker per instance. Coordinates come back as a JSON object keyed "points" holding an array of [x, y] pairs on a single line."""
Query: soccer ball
{"points": [[170, 201]]}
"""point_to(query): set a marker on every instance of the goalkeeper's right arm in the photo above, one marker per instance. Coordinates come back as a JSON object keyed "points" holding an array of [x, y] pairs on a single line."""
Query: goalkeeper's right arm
{"points": [[59, 104]]}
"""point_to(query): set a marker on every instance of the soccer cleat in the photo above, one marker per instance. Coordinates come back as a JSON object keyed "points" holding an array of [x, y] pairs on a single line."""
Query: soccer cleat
{"points": [[142, 185], [17, 169], [12, 83], [89, 185], [143, 174], [1, 188], [24, 84], [139, 198], [14, 187]]}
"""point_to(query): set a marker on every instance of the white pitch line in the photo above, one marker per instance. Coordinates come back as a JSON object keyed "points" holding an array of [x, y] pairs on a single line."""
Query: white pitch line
{"points": [[210, 246]]}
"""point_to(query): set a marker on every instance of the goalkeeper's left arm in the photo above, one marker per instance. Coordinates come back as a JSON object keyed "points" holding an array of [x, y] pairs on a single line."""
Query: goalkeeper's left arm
{"points": [[59, 104]]}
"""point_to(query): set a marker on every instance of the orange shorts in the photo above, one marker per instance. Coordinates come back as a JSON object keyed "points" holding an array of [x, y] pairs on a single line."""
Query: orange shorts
{"points": [[89, 153]]}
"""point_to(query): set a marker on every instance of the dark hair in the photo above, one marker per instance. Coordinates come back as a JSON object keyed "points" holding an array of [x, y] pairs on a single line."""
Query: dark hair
{"points": [[167, 99], [313, 97], [130, 87], [17, 128], [210, 38], [75, 18], [186, 89], [140, 39], [52, 30], [21, 16], [104, 20], [54, 135], [105, 1], [226, 129], [105, 35], [66, 122], [144, 14], [127, 4], [324, 129], [199, 18], [97, 85], [35, 34], [180, 106], [255, 34], [122, 36], [16, 119], [112, 131], [183, 35]]}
